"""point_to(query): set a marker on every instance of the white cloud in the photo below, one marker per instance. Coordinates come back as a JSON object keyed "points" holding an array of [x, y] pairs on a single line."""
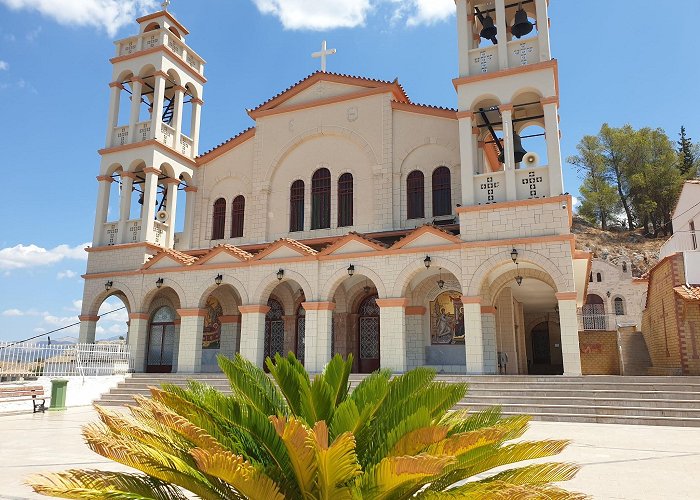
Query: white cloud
{"points": [[24, 256], [109, 15], [19, 313], [575, 201], [33, 34], [418, 12], [4, 66], [66, 274]]}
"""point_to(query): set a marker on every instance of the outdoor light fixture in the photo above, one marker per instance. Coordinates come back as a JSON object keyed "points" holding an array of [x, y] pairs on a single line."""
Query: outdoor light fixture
{"points": [[159, 283], [366, 288], [608, 294], [514, 256], [280, 274], [351, 270], [441, 282], [518, 278], [427, 261], [108, 285], [218, 280]]}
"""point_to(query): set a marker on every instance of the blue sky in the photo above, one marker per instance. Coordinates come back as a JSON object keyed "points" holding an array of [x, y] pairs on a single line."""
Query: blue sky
{"points": [[620, 62]]}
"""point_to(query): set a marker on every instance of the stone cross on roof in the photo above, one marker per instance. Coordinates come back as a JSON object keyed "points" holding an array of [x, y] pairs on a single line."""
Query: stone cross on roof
{"points": [[165, 4], [323, 54]]}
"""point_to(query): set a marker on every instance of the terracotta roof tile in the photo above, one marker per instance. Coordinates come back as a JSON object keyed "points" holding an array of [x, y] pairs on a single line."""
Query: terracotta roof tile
{"points": [[688, 292], [299, 245], [242, 254], [183, 258], [227, 141]]}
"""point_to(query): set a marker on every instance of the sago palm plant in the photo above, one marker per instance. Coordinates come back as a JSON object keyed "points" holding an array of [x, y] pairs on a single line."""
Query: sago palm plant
{"points": [[297, 438]]}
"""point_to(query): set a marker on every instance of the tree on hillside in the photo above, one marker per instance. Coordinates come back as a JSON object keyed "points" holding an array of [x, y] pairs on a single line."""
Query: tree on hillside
{"points": [[599, 201], [619, 158], [689, 155]]}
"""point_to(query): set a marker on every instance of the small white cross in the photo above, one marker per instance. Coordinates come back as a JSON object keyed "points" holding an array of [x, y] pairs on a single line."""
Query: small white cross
{"points": [[165, 4], [323, 54]]}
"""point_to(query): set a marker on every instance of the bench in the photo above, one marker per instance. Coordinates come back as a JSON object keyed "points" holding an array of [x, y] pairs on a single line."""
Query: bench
{"points": [[33, 393]]}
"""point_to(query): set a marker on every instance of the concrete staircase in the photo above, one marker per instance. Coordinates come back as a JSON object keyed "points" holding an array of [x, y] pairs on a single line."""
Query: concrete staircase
{"points": [[634, 353], [671, 401]]}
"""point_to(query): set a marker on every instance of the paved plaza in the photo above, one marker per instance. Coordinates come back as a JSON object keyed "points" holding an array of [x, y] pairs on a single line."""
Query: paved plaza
{"points": [[619, 462]]}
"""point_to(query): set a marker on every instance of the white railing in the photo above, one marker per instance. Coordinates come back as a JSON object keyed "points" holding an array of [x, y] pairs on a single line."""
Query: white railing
{"points": [[111, 234], [157, 38], [120, 136], [490, 188], [160, 233], [483, 60], [133, 228], [24, 360], [523, 52], [532, 183], [143, 131], [186, 145], [167, 135]]}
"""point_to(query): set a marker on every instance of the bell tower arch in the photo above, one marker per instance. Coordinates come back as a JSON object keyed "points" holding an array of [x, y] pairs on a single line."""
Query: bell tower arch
{"points": [[152, 136], [508, 96]]}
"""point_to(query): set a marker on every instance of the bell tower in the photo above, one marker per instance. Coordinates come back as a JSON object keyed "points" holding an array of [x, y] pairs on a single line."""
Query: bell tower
{"points": [[508, 98], [152, 136]]}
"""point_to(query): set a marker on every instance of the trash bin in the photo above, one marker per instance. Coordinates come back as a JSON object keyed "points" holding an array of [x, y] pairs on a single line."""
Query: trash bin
{"points": [[58, 394]]}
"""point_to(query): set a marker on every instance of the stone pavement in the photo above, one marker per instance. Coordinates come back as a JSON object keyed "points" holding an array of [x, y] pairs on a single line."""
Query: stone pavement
{"points": [[619, 461]]}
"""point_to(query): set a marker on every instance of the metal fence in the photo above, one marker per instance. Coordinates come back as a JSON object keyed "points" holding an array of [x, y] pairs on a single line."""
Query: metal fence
{"points": [[599, 322], [24, 360]]}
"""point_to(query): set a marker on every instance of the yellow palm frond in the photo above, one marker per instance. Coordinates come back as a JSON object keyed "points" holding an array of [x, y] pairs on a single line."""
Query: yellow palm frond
{"points": [[501, 490], [398, 473], [416, 441], [234, 470], [337, 464], [294, 434], [462, 443]]}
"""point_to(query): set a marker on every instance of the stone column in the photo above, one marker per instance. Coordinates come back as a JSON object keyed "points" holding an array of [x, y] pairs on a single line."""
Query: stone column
{"points": [[253, 333], [172, 211], [488, 326], [507, 115], [115, 89], [105, 184], [137, 340], [158, 98], [230, 335], [136, 88], [317, 335], [502, 26], [177, 112], [127, 179], [88, 325], [415, 336], [189, 359], [189, 217], [392, 328], [543, 29], [464, 36], [551, 126], [571, 353], [474, 339], [194, 127], [148, 212], [468, 150]]}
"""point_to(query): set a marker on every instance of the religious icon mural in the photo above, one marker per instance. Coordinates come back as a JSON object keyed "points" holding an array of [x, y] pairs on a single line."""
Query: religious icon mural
{"points": [[211, 339], [447, 319]]}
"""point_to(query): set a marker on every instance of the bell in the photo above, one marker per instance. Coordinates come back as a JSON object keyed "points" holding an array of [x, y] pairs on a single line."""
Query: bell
{"points": [[141, 199], [522, 25], [518, 149], [489, 31]]}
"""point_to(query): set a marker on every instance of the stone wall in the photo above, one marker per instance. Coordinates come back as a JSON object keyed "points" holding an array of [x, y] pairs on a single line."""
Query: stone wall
{"points": [[599, 353]]}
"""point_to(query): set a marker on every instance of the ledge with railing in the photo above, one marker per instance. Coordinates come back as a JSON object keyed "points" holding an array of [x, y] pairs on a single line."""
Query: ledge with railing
{"points": [[520, 53], [157, 38], [27, 360], [530, 183]]}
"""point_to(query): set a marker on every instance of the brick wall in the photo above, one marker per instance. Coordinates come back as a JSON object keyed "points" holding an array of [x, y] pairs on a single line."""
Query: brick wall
{"points": [[599, 353]]}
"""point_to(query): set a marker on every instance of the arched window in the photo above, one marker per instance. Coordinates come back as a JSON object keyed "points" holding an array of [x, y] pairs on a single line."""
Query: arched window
{"points": [[296, 207], [415, 195], [442, 192], [321, 199], [590, 278], [219, 219], [619, 306], [345, 206], [599, 277], [237, 216]]}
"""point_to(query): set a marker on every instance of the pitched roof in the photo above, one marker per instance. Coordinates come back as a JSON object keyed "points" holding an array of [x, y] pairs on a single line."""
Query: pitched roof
{"points": [[353, 236], [427, 228], [285, 242], [318, 76], [227, 145], [688, 292], [230, 249], [182, 258]]}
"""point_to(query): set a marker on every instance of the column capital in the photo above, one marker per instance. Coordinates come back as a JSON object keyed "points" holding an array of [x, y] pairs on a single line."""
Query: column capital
{"points": [[188, 313], [229, 319], [116, 85], [136, 79], [141, 316], [88, 317], [151, 170], [161, 74], [566, 295], [254, 309], [170, 180], [318, 306], [397, 302], [105, 178], [488, 310], [415, 311], [191, 189], [194, 100], [471, 300], [127, 175], [465, 115], [506, 108], [549, 100], [179, 88]]}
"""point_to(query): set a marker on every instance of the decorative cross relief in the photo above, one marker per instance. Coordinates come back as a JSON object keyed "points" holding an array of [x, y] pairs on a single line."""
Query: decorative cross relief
{"points": [[325, 52], [484, 59], [524, 51], [490, 187], [533, 181]]}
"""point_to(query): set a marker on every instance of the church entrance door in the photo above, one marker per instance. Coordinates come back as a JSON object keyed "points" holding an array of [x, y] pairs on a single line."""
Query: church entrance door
{"points": [[368, 337], [301, 334], [161, 342], [274, 330]]}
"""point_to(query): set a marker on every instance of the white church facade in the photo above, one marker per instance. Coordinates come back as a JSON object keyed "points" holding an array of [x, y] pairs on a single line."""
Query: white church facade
{"points": [[348, 219]]}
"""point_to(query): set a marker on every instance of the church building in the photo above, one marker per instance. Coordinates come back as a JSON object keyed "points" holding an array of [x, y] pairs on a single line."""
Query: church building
{"points": [[348, 219]]}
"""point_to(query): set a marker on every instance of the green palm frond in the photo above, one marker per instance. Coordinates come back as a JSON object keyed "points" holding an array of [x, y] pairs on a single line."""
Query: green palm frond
{"points": [[251, 385], [337, 464], [537, 474], [418, 440], [102, 485], [294, 383]]}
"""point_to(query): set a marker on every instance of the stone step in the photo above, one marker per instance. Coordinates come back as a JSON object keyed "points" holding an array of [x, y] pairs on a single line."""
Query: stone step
{"points": [[529, 408], [583, 402]]}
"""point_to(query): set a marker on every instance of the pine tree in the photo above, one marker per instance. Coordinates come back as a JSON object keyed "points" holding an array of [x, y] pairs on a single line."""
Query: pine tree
{"points": [[687, 163]]}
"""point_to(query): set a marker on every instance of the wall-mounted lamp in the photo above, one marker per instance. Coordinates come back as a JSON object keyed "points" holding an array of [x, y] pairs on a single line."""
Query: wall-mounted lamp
{"points": [[441, 282], [608, 294], [427, 261], [219, 279], [280, 274], [159, 283], [514, 256], [518, 278], [108, 285], [351, 270]]}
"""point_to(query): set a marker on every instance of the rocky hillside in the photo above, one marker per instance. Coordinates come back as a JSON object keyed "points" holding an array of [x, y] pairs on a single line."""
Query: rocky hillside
{"points": [[618, 246]]}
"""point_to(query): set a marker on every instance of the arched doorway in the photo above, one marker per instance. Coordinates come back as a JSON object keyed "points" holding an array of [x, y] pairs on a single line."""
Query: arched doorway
{"points": [[368, 335], [594, 317], [161, 341], [274, 329], [301, 334], [541, 353]]}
